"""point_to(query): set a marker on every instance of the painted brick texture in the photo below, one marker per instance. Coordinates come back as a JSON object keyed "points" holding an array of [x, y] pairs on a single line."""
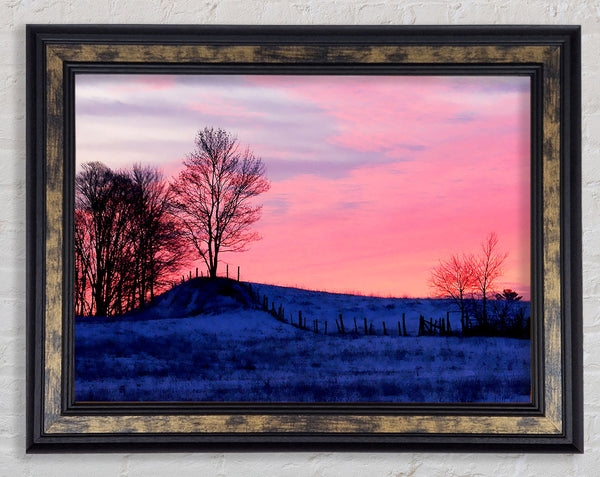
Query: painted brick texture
{"points": [[14, 14]]}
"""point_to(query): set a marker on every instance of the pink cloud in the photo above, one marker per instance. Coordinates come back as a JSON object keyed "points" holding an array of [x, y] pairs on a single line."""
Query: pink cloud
{"points": [[405, 113], [222, 107]]}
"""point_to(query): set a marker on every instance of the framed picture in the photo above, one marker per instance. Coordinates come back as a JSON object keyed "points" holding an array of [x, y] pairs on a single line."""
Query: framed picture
{"points": [[304, 238]]}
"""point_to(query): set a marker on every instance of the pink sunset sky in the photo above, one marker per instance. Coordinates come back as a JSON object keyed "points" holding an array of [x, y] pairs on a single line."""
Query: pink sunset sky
{"points": [[374, 179]]}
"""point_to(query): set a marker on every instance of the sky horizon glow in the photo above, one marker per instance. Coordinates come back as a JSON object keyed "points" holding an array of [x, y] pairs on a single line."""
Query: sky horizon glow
{"points": [[374, 179]]}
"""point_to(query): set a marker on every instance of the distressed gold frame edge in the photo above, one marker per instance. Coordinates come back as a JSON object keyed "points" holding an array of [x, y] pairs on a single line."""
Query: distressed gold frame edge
{"points": [[56, 423]]}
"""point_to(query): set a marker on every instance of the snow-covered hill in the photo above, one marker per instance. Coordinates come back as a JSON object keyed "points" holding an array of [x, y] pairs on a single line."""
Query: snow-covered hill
{"points": [[206, 341]]}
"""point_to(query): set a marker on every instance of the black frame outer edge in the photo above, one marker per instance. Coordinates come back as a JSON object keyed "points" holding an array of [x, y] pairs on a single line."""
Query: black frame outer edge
{"points": [[38, 35], [35, 235], [571, 230]]}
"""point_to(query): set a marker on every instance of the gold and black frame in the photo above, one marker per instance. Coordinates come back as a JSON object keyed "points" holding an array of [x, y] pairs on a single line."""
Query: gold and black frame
{"points": [[549, 55]]}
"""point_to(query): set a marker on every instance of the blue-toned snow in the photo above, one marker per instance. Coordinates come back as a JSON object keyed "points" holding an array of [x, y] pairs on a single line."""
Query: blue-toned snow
{"points": [[207, 343]]}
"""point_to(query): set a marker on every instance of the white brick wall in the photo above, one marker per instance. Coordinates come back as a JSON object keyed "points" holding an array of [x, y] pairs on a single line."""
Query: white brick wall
{"points": [[14, 14]]}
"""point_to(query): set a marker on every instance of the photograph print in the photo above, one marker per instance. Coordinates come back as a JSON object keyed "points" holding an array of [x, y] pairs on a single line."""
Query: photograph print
{"points": [[302, 239]]}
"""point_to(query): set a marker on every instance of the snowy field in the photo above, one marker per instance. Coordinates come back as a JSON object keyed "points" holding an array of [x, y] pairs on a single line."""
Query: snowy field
{"points": [[226, 351]]}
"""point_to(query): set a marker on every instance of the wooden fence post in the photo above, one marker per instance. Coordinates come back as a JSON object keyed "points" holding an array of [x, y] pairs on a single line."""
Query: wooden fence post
{"points": [[227, 268], [384, 330], [365, 326], [399, 329], [300, 319], [404, 324], [342, 324], [238, 273], [355, 326], [196, 272], [325, 326]]}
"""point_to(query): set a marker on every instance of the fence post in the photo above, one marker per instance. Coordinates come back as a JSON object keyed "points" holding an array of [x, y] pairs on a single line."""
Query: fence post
{"points": [[399, 330], [342, 324], [325, 326], [365, 326], [300, 319], [448, 328], [355, 327], [404, 324], [420, 325], [227, 268], [238, 273], [196, 272], [384, 330]]}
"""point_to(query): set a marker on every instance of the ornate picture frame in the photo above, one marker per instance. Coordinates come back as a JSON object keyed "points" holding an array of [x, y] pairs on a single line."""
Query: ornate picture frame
{"points": [[548, 55]]}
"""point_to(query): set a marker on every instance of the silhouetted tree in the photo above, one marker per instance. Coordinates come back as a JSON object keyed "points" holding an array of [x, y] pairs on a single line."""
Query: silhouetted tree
{"points": [[454, 279], [126, 239], [83, 264], [158, 246], [102, 240], [487, 267], [212, 195], [508, 295], [504, 308]]}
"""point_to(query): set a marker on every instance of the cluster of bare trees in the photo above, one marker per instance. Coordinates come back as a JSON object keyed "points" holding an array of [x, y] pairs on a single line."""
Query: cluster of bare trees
{"points": [[134, 231], [126, 239], [468, 280]]}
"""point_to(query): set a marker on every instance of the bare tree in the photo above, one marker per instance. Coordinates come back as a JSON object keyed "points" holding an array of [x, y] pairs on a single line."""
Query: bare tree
{"points": [[454, 279], [487, 267], [159, 248], [102, 240], [212, 195], [83, 264]]}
